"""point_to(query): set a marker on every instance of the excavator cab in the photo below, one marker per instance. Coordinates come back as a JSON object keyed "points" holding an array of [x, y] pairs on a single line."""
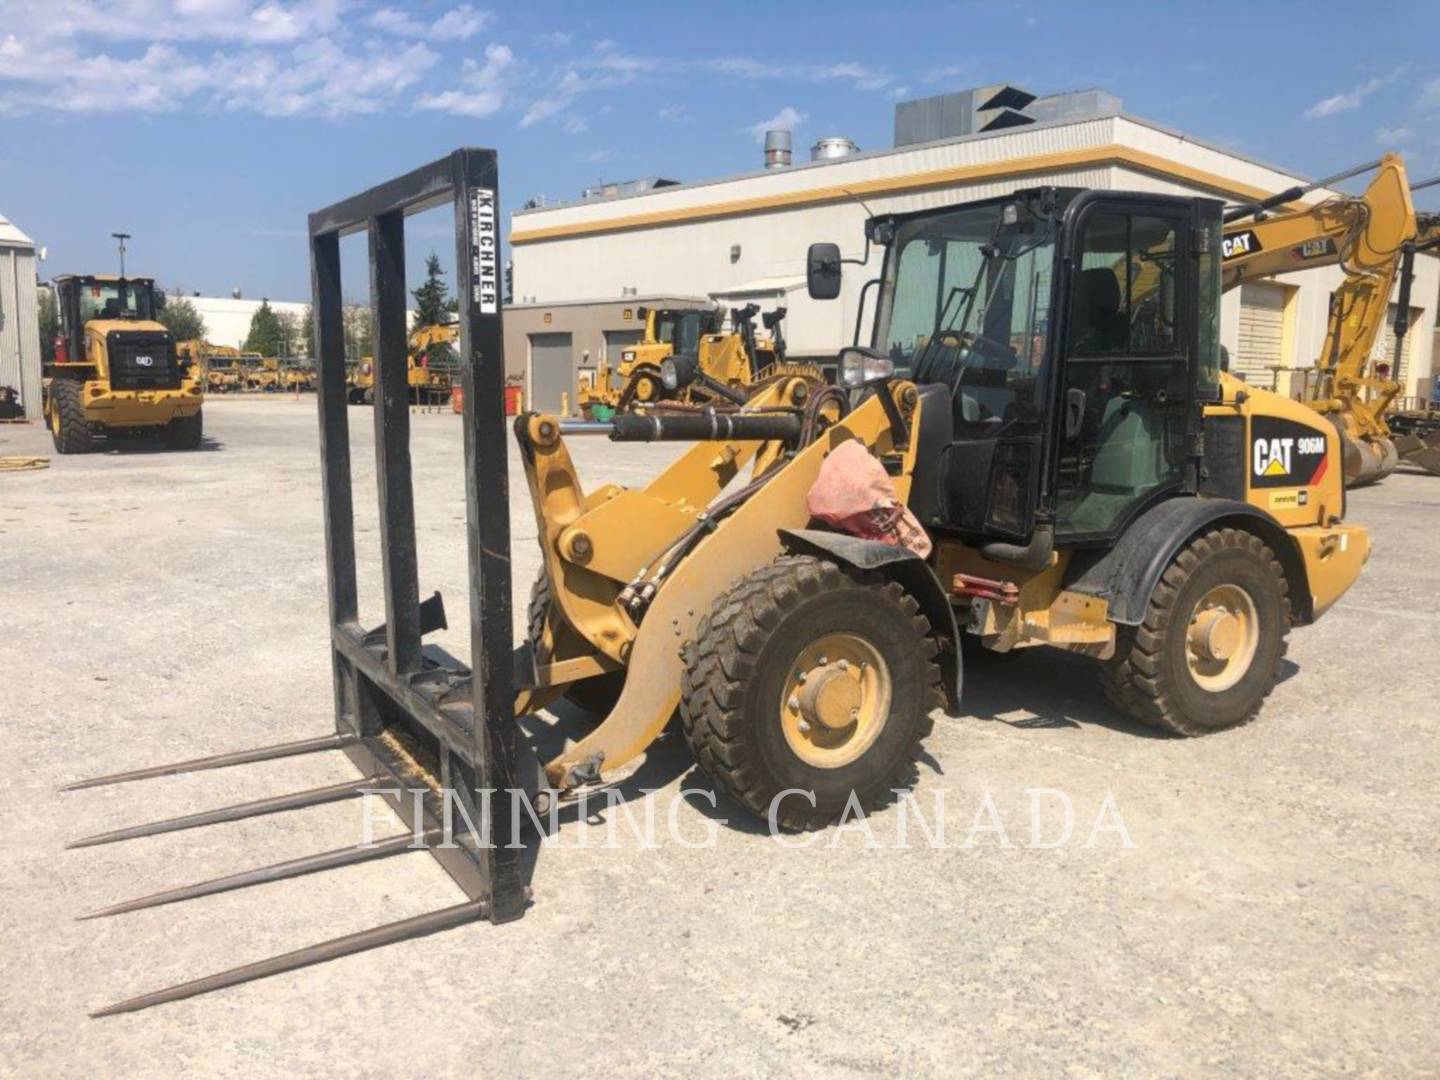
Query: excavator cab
{"points": [[1070, 335]]}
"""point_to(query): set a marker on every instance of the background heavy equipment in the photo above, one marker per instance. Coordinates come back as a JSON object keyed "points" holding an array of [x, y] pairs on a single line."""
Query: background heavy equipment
{"points": [[1374, 238], [219, 367], [1038, 448], [116, 371], [728, 366], [429, 362]]}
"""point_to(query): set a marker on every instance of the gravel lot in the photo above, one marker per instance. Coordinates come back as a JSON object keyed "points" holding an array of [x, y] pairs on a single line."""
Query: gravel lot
{"points": [[1260, 902]]}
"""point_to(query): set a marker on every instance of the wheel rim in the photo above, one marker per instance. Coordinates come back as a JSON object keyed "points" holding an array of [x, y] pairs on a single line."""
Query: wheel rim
{"points": [[836, 700], [1222, 638], [55, 419]]}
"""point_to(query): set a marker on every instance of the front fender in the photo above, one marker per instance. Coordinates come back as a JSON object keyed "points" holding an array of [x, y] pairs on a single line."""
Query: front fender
{"points": [[913, 574]]}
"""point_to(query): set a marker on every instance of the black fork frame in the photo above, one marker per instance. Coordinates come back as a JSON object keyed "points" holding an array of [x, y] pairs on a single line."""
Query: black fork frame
{"points": [[407, 709]]}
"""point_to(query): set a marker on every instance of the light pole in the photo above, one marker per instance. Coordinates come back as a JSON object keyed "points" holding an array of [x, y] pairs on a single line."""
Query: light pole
{"points": [[122, 237]]}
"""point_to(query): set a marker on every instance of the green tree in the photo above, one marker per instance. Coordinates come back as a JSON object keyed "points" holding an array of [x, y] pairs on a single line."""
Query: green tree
{"points": [[307, 331], [359, 340], [289, 332], [433, 302], [266, 336], [182, 319], [49, 323]]}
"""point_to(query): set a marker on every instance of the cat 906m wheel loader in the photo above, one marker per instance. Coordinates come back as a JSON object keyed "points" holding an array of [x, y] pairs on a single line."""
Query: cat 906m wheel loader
{"points": [[1051, 456]]}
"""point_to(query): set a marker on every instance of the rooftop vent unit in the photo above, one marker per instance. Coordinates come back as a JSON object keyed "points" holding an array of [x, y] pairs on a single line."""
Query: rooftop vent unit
{"points": [[832, 148], [777, 149], [626, 187], [993, 108]]}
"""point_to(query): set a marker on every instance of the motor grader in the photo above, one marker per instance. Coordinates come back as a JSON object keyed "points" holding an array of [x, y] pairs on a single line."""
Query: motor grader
{"points": [[116, 372], [728, 366], [1051, 456], [1374, 238]]}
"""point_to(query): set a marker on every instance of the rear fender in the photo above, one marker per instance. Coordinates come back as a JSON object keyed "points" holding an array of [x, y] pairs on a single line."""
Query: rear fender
{"points": [[1127, 574], [907, 569]]}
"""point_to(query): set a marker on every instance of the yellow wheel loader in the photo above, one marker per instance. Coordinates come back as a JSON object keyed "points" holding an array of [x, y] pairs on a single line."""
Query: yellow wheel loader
{"points": [[1037, 448], [728, 366], [116, 371]]}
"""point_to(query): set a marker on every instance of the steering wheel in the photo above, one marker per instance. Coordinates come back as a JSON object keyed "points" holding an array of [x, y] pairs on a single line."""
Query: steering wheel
{"points": [[979, 343]]}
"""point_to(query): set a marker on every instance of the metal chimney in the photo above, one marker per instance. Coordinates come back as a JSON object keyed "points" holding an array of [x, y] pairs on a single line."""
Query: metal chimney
{"points": [[777, 149]]}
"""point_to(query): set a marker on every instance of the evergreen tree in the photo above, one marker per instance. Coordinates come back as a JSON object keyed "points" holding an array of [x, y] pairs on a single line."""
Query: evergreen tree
{"points": [[266, 336], [49, 324], [289, 332], [307, 332], [359, 340], [433, 302], [181, 319]]}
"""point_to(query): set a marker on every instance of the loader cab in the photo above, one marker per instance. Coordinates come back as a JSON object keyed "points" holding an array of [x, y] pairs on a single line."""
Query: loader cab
{"points": [[82, 298], [1059, 340]]}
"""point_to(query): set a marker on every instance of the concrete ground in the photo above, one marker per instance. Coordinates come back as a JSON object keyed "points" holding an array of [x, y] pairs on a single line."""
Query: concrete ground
{"points": [[1269, 907]]}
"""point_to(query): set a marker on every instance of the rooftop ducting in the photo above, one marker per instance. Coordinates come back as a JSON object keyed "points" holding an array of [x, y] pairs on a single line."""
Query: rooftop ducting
{"points": [[993, 108], [778, 150]]}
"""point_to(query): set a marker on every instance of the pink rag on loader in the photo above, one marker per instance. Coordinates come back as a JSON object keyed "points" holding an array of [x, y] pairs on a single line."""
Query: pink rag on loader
{"points": [[854, 494]]}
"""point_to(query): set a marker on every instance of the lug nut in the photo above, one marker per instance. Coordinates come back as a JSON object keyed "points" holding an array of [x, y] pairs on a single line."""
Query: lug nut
{"points": [[793, 704], [804, 727]]}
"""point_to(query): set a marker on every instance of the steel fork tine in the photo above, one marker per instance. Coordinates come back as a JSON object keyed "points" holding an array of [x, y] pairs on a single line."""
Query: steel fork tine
{"points": [[308, 864], [296, 801], [221, 761], [388, 934]]}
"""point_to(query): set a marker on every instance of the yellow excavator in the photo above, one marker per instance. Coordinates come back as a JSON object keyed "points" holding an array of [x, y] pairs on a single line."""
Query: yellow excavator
{"points": [[429, 367], [1033, 450], [1369, 236], [728, 367]]}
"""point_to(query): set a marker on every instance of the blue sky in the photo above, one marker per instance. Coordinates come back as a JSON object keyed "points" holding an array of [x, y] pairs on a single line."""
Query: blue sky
{"points": [[210, 128]]}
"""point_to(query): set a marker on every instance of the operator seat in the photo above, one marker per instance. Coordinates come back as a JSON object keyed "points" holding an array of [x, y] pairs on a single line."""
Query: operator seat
{"points": [[1097, 311]]}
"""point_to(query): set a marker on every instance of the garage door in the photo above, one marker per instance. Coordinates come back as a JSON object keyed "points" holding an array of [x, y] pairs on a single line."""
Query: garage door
{"points": [[1384, 347], [618, 340], [1262, 329], [552, 371]]}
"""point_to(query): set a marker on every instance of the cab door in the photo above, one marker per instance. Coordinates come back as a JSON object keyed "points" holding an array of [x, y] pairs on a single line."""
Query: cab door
{"points": [[1126, 422]]}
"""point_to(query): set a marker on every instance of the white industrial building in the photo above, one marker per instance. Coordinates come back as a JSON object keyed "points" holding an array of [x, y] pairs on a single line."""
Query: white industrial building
{"points": [[744, 237], [19, 317], [227, 319]]}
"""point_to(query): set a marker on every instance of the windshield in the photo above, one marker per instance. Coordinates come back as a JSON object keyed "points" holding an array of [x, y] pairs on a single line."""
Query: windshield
{"points": [[966, 302], [680, 329], [103, 300]]}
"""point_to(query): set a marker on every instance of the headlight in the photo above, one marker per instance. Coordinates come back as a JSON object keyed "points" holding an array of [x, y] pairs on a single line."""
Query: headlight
{"points": [[627, 355], [680, 370], [861, 367]]}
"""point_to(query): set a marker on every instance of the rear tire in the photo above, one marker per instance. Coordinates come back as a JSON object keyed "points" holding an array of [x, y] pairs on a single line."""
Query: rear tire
{"points": [[69, 430], [185, 432], [759, 730], [1224, 593]]}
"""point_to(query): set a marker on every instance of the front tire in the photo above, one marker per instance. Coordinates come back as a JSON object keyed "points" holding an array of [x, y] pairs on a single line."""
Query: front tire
{"points": [[811, 677], [69, 430], [184, 432], [1209, 651]]}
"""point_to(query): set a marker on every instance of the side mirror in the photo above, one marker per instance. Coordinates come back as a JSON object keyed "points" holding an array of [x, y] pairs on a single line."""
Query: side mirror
{"points": [[822, 271], [159, 299]]}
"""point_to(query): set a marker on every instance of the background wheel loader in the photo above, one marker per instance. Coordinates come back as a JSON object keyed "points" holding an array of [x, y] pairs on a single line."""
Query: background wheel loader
{"points": [[1037, 448], [116, 370], [728, 366]]}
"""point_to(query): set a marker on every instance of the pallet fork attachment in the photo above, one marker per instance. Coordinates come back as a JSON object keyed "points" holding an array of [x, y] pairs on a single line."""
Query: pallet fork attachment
{"points": [[424, 733]]}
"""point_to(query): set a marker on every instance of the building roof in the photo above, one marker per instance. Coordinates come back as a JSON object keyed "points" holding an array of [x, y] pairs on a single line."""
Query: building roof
{"points": [[11, 236]]}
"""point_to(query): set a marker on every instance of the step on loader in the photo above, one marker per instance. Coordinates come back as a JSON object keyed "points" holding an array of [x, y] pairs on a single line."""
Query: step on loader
{"points": [[1048, 454]]}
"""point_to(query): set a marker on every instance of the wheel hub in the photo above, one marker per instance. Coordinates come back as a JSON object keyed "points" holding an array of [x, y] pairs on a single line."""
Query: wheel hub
{"points": [[1222, 638], [836, 700]]}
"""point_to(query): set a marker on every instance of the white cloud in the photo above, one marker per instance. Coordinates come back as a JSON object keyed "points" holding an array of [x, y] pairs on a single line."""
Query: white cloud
{"points": [[946, 74], [457, 24], [268, 21], [1354, 97], [787, 119], [556, 39], [1429, 98], [675, 114], [483, 86], [1390, 136], [597, 156]]}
